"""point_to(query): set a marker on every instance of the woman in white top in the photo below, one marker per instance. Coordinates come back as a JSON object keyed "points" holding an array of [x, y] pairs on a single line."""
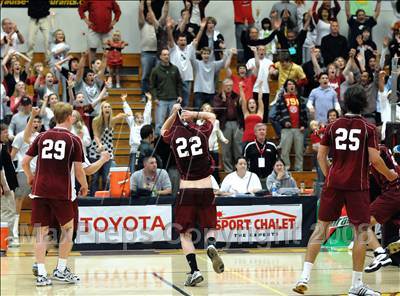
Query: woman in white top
{"points": [[322, 24], [46, 110], [213, 145], [80, 129], [241, 181]]}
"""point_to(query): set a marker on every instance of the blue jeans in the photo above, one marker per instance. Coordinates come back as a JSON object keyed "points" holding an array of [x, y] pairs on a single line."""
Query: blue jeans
{"points": [[103, 172], [186, 86], [148, 61], [164, 108], [202, 98], [272, 117], [238, 33]]}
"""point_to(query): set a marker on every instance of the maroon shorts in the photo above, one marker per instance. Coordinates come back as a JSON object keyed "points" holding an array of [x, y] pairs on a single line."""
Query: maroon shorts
{"points": [[54, 223], [386, 205], [356, 202], [43, 210], [195, 206]]}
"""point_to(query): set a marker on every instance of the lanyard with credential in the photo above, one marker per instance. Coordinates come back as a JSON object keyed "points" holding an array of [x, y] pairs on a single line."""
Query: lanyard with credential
{"points": [[261, 151]]}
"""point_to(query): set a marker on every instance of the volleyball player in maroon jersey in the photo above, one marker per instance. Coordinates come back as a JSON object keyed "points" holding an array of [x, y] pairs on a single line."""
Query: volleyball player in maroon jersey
{"points": [[195, 201], [352, 142], [59, 152]]}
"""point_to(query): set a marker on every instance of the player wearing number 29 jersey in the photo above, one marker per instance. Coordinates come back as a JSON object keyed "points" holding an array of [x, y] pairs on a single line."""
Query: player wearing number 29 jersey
{"points": [[348, 139], [189, 143], [57, 150]]}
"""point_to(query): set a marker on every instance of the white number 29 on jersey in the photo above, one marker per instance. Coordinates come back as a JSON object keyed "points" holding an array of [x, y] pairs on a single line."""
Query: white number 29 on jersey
{"points": [[59, 149], [182, 145], [343, 134]]}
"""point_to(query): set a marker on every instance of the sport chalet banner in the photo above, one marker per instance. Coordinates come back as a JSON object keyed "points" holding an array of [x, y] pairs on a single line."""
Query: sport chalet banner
{"points": [[259, 223], [124, 224], [53, 3]]}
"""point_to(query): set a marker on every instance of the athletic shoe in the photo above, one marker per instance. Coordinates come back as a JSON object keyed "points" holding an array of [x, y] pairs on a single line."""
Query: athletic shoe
{"points": [[35, 269], [66, 276], [194, 278], [350, 247], [216, 260], [42, 280], [380, 260], [117, 85], [14, 242], [301, 287], [393, 247], [362, 290]]}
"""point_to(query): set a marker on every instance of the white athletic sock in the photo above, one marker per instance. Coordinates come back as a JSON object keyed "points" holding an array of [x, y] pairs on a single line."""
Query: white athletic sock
{"points": [[307, 267], [62, 264], [357, 279], [41, 269], [379, 250], [15, 228]]}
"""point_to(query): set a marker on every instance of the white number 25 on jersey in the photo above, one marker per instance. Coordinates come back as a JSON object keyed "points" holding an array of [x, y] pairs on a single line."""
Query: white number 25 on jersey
{"points": [[59, 149], [182, 145], [343, 134]]}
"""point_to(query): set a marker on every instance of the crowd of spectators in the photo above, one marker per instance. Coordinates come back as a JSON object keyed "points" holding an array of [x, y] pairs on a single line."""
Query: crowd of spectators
{"points": [[292, 67]]}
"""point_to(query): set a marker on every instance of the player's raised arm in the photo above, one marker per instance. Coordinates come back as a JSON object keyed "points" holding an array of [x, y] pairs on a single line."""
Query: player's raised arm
{"points": [[378, 163], [170, 120], [194, 115]]}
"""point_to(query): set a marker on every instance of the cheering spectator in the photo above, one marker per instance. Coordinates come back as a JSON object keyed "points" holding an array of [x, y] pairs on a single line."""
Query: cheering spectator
{"points": [[49, 86], [285, 69], [18, 120], [136, 122], [180, 53], [227, 108], [38, 12], [151, 178], [166, 88], [312, 69], [241, 181], [261, 154], [213, 145], [360, 21], [265, 30], [394, 44], [333, 11], [293, 42], [47, 112], [243, 16], [114, 56], [80, 129], [58, 51], [291, 111], [279, 7], [322, 99], [280, 178], [99, 22], [260, 65], [184, 26], [19, 94], [197, 10], [10, 35], [16, 73], [146, 147], [370, 85], [253, 112], [334, 45], [148, 25], [321, 22], [211, 38], [103, 131]]}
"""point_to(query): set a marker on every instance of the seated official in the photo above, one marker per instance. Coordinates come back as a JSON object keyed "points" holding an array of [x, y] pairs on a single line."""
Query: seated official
{"points": [[240, 181], [280, 177], [151, 178]]}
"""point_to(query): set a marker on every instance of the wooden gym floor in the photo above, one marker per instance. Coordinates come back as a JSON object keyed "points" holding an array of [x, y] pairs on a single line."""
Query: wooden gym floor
{"points": [[247, 272]]}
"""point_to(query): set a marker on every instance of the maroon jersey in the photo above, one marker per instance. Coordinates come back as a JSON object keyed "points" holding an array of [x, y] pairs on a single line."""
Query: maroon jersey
{"points": [[387, 157], [349, 138], [190, 147], [57, 150]]}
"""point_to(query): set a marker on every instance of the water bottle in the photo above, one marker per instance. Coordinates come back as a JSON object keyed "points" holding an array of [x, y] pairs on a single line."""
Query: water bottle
{"points": [[274, 189], [302, 187]]}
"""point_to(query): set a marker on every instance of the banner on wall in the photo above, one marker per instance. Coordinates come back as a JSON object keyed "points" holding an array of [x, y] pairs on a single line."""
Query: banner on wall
{"points": [[259, 223], [124, 224], [53, 3], [366, 5]]}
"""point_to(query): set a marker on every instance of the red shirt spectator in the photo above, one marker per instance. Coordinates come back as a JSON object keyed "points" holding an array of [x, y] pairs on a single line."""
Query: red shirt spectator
{"points": [[243, 11], [100, 14]]}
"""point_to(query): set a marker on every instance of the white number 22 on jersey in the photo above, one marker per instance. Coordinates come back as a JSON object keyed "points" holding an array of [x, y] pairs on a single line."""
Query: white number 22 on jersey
{"points": [[59, 147], [343, 135], [195, 148]]}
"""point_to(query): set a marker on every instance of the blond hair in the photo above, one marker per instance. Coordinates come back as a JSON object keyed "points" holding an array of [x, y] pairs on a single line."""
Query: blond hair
{"points": [[79, 123], [100, 123], [313, 122], [62, 111]]}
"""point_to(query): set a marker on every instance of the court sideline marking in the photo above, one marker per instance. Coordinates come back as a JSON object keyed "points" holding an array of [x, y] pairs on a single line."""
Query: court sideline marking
{"points": [[170, 284]]}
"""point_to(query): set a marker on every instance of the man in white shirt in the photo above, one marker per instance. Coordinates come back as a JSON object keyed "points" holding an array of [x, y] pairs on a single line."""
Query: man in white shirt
{"points": [[263, 74], [20, 146], [10, 34], [179, 53]]}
